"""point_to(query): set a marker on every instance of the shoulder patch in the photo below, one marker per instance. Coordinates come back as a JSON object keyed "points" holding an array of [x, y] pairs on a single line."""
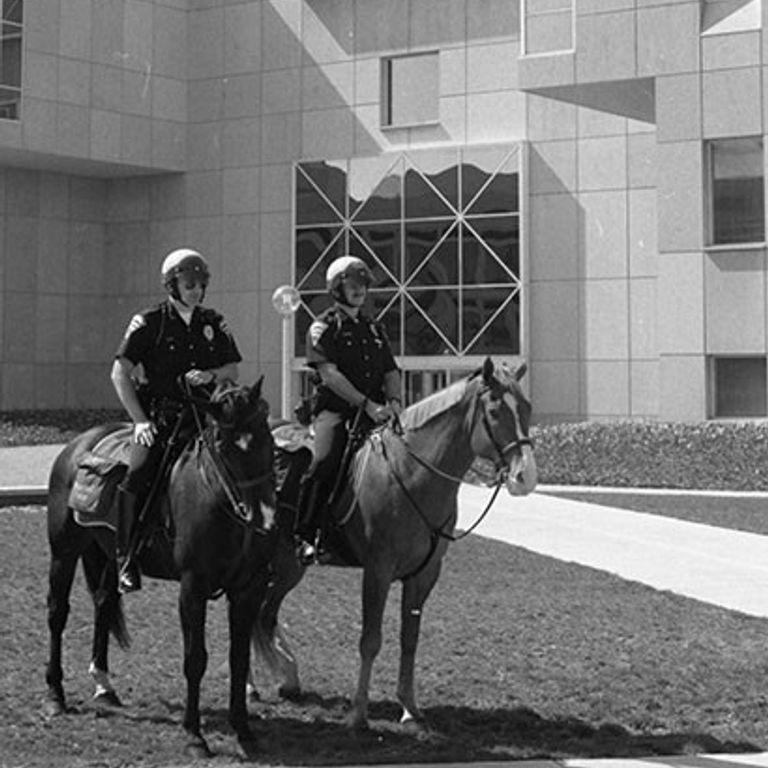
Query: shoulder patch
{"points": [[316, 330], [137, 321]]}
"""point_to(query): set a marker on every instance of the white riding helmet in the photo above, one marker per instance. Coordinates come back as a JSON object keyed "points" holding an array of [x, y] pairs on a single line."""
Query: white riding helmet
{"points": [[183, 261], [342, 268]]}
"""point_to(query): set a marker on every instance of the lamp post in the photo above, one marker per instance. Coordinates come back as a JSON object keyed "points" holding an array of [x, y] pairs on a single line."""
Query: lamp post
{"points": [[286, 301]]}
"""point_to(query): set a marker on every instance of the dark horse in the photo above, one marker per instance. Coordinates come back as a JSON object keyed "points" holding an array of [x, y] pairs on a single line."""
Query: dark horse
{"points": [[397, 516], [220, 506]]}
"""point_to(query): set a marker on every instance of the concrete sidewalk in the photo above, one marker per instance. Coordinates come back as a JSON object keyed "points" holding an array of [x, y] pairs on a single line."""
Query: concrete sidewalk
{"points": [[716, 565], [24, 473]]}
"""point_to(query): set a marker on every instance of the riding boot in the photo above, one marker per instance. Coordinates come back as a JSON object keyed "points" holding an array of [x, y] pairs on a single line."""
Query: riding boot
{"points": [[308, 529], [129, 574]]}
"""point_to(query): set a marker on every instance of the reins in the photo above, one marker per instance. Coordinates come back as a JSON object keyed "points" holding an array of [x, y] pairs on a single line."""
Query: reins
{"points": [[240, 511], [437, 532]]}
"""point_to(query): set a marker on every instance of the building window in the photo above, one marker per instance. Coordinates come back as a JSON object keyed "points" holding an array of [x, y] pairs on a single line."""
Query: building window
{"points": [[739, 387], [410, 90], [736, 197], [440, 230], [10, 59], [548, 26]]}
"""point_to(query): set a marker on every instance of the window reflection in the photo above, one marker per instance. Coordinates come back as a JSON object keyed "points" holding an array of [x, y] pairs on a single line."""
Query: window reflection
{"points": [[441, 233], [382, 241], [432, 253], [10, 59], [491, 321], [316, 248], [736, 169]]}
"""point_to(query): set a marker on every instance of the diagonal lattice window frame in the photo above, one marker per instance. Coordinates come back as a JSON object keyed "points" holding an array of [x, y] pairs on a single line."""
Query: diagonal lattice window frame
{"points": [[411, 254]]}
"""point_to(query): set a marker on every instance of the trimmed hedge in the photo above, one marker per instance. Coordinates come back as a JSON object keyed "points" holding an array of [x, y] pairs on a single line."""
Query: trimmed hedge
{"points": [[707, 455]]}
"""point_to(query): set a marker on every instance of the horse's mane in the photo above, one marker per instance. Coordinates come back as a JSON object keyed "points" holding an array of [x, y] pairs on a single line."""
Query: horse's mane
{"points": [[419, 414]]}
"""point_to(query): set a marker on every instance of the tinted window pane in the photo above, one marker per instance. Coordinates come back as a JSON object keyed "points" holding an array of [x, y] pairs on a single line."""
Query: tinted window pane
{"points": [[737, 191], [479, 306], [10, 99], [10, 56], [312, 206], [740, 387], [502, 236], [375, 189], [382, 240], [428, 261], [12, 10], [331, 179], [438, 310], [422, 200], [481, 190], [316, 248]]}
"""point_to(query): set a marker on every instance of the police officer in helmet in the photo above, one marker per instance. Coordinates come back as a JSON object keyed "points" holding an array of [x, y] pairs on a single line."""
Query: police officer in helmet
{"points": [[179, 338], [355, 369]]}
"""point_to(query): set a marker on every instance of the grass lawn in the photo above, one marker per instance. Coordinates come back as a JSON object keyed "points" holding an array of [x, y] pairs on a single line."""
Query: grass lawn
{"points": [[740, 513], [522, 656]]}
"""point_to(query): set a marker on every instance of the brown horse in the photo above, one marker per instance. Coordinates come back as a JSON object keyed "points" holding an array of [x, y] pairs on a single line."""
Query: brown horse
{"points": [[398, 514], [221, 504]]}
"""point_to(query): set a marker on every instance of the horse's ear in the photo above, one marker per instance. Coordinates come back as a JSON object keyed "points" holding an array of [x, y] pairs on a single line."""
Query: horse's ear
{"points": [[488, 370], [521, 371], [255, 394]]}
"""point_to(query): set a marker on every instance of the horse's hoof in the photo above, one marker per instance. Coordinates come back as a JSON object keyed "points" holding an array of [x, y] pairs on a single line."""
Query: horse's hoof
{"points": [[248, 745], [53, 707], [416, 726], [197, 748], [107, 699], [289, 693], [357, 724]]}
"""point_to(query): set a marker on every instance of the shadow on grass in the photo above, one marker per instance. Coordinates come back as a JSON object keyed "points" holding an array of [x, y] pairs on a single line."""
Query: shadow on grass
{"points": [[313, 732]]}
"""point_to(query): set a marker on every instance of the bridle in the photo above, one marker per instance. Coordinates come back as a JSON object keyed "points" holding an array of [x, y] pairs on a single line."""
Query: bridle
{"points": [[501, 451], [500, 464], [238, 509]]}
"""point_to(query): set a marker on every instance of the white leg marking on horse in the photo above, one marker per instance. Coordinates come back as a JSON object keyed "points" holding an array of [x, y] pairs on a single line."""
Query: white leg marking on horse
{"points": [[101, 679], [268, 516]]}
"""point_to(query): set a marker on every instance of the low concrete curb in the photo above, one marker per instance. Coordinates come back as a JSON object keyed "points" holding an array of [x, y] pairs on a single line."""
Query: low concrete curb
{"points": [[20, 496]]}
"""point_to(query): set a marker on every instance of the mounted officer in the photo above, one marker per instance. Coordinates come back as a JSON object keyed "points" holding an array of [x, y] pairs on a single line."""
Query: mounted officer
{"points": [[177, 338], [355, 369]]}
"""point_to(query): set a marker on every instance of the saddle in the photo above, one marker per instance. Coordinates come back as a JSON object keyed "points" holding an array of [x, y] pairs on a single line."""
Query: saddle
{"points": [[294, 450], [99, 472]]}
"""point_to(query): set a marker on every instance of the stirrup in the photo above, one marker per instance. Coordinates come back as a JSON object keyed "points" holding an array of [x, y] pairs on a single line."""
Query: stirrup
{"points": [[306, 552], [128, 578]]}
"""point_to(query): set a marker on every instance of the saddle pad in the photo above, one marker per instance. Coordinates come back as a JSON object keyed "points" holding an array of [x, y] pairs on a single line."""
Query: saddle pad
{"points": [[98, 474], [292, 437]]}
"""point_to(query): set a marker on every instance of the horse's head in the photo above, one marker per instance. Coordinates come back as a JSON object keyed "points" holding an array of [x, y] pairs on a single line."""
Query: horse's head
{"points": [[500, 425], [238, 422]]}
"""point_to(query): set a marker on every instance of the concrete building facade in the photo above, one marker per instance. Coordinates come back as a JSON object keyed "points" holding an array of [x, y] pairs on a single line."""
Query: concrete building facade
{"points": [[578, 183]]}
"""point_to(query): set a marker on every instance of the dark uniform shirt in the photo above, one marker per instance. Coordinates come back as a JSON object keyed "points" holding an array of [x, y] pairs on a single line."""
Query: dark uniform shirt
{"points": [[167, 347], [360, 350]]}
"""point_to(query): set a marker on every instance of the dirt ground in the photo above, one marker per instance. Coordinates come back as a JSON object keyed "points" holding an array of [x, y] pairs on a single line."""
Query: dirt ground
{"points": [[521, 656]]}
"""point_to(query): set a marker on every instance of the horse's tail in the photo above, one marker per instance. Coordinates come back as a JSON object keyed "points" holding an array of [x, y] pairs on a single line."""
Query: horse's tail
{"points": [[117, 626], [270, 646], [102, 584], [262, 640]]}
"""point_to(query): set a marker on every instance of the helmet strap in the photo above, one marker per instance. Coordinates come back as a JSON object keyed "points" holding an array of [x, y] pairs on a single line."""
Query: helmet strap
{"points": [[173, 290]]}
